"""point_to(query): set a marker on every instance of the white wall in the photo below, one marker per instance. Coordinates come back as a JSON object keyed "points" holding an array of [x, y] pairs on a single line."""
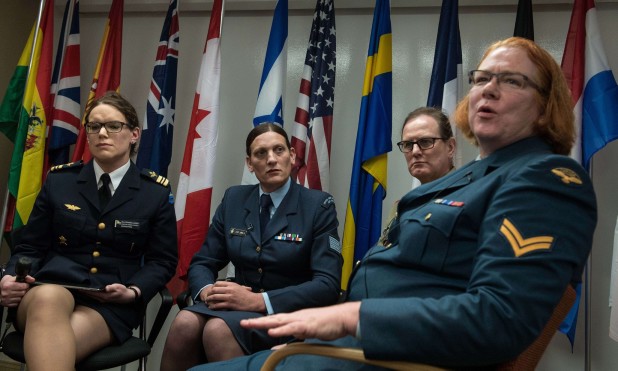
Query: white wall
{"points": [[414, 25]]}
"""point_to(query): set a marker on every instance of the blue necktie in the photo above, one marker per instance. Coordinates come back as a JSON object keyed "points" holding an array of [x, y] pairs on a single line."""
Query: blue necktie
{"points": [[265, 204]]}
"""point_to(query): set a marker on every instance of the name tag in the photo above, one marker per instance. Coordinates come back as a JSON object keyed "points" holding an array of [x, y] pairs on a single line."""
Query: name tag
{"points": [[126, 224], [238, 232]]}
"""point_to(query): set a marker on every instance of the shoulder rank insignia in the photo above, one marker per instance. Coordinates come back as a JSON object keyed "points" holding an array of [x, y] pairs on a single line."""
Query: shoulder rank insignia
{"points": [[70, 165], [328, 202], [72, 207], [521, 245], [155, 177], [567, 175]]}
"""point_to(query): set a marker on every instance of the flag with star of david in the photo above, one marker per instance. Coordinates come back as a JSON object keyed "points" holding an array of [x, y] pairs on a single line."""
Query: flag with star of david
{"points": [[155, 148]]}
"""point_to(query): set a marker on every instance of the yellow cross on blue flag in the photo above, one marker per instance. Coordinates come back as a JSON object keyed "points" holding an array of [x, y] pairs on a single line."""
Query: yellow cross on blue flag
{"points": [[373, 141]]}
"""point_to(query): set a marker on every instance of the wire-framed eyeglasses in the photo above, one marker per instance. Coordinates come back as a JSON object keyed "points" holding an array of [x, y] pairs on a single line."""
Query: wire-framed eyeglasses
{"points": [[406, 146], [110, 126], [510, 80]]}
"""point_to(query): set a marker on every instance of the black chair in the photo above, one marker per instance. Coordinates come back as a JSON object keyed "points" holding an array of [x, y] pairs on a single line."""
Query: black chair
{"points": [[134, 349]]}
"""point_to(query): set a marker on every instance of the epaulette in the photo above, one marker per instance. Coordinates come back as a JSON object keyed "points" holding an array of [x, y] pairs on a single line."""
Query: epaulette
{"points": [[328, 202], [155, 177], [70, 165]]}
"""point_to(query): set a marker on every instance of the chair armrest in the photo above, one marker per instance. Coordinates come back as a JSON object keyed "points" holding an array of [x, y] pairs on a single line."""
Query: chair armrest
{"points": [[350, 354], [184, 299], [164, 309]]}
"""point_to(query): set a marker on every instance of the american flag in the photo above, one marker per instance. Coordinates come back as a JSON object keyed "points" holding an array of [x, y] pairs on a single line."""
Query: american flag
{"points": [[155, 147], [313, 122]]}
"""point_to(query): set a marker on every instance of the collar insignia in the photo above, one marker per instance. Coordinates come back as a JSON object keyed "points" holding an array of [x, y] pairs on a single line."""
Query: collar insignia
{"points": [[567, 175], [72, 207], [62, 240]]}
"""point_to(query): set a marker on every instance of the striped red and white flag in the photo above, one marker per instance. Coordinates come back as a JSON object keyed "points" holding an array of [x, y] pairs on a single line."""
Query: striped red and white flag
{"points": [[313, 121]]}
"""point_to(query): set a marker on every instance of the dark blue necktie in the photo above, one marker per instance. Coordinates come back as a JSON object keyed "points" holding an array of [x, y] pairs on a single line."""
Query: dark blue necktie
{"points": [[265, 204], [105, 194]]}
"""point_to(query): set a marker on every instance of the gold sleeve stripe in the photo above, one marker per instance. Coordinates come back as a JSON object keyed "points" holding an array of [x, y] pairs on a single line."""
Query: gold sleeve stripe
{"points": [[522, 245]]}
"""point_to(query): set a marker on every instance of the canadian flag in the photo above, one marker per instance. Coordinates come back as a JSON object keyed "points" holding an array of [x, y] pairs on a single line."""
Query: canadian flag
{"points": [[194, 192]]}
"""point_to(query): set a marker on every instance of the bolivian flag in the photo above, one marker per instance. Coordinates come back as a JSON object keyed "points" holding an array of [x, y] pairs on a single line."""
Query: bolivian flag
{"points": [[23, 118]]}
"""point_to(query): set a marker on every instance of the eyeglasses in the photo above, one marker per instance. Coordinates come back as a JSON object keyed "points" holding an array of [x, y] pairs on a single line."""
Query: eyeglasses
{"points": [[511, 80], [406, 146], [110, 127]]}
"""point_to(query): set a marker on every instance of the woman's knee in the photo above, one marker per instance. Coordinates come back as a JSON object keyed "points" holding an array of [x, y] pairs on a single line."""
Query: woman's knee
{"points": [[186, 326], [45, 301], [216, 330]]}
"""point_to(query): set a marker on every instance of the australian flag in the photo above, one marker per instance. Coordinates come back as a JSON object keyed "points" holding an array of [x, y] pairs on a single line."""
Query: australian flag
{"points": [[155, 148]]}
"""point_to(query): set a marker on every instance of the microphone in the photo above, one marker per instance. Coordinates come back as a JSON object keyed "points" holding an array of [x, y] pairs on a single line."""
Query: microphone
{"points": [[22, 268]]}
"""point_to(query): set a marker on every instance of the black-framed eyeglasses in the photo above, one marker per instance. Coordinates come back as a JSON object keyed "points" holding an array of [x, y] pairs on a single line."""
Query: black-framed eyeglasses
{"points": [[512, 80], [423, 143], [110, 126]]}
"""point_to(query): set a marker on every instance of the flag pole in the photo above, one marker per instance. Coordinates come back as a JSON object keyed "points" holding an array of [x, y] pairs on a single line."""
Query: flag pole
{"points": [[34, 41], [587, 303], [221, 19]]}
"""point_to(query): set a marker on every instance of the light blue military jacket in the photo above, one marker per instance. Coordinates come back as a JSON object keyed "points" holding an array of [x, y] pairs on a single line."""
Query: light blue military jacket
{"points": [[478, 259]]}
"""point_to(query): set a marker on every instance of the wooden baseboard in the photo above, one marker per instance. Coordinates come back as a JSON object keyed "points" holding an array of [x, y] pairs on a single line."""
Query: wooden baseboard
{"points": [[9, 366]]}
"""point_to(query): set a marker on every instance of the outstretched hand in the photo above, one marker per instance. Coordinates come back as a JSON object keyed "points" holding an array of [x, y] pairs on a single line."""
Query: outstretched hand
{"points": [[327, 323]]}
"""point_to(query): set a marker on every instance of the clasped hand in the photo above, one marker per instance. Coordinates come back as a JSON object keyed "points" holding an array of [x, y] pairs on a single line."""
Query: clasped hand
{"points": [[224, 295]]}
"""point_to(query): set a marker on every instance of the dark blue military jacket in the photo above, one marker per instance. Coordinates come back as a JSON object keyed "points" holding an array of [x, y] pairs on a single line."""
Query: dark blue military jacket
{"points": [[131, 241], [298, 263]]}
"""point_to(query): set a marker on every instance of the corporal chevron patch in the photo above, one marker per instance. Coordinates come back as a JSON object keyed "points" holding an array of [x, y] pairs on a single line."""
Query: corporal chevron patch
{"points": [[521, 245]]}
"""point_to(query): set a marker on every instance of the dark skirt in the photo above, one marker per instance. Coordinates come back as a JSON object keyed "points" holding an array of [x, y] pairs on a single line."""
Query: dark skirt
{"points": [[250, 340], [121, 318]]}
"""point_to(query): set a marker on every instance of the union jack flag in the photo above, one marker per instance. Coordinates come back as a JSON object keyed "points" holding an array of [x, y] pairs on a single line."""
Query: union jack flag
{"points": [[155, 148], [65, 89], [313, 121]]}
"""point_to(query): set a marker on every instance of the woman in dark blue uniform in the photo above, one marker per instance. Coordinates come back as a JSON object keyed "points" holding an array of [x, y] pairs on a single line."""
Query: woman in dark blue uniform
{"points": [[290, 261], [118, 235]]}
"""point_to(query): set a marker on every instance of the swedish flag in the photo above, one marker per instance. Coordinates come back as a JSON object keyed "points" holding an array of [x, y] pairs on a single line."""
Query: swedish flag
{"points": [[373, 141]]}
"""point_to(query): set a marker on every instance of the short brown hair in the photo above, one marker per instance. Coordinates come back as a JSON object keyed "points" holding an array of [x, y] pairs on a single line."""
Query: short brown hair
{"points": [[444, 125], [556, 126], [119, 102]]}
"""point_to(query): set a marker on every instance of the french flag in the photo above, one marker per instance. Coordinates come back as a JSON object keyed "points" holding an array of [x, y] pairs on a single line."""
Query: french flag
{"points": [[592, 84], [446, 85]]}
